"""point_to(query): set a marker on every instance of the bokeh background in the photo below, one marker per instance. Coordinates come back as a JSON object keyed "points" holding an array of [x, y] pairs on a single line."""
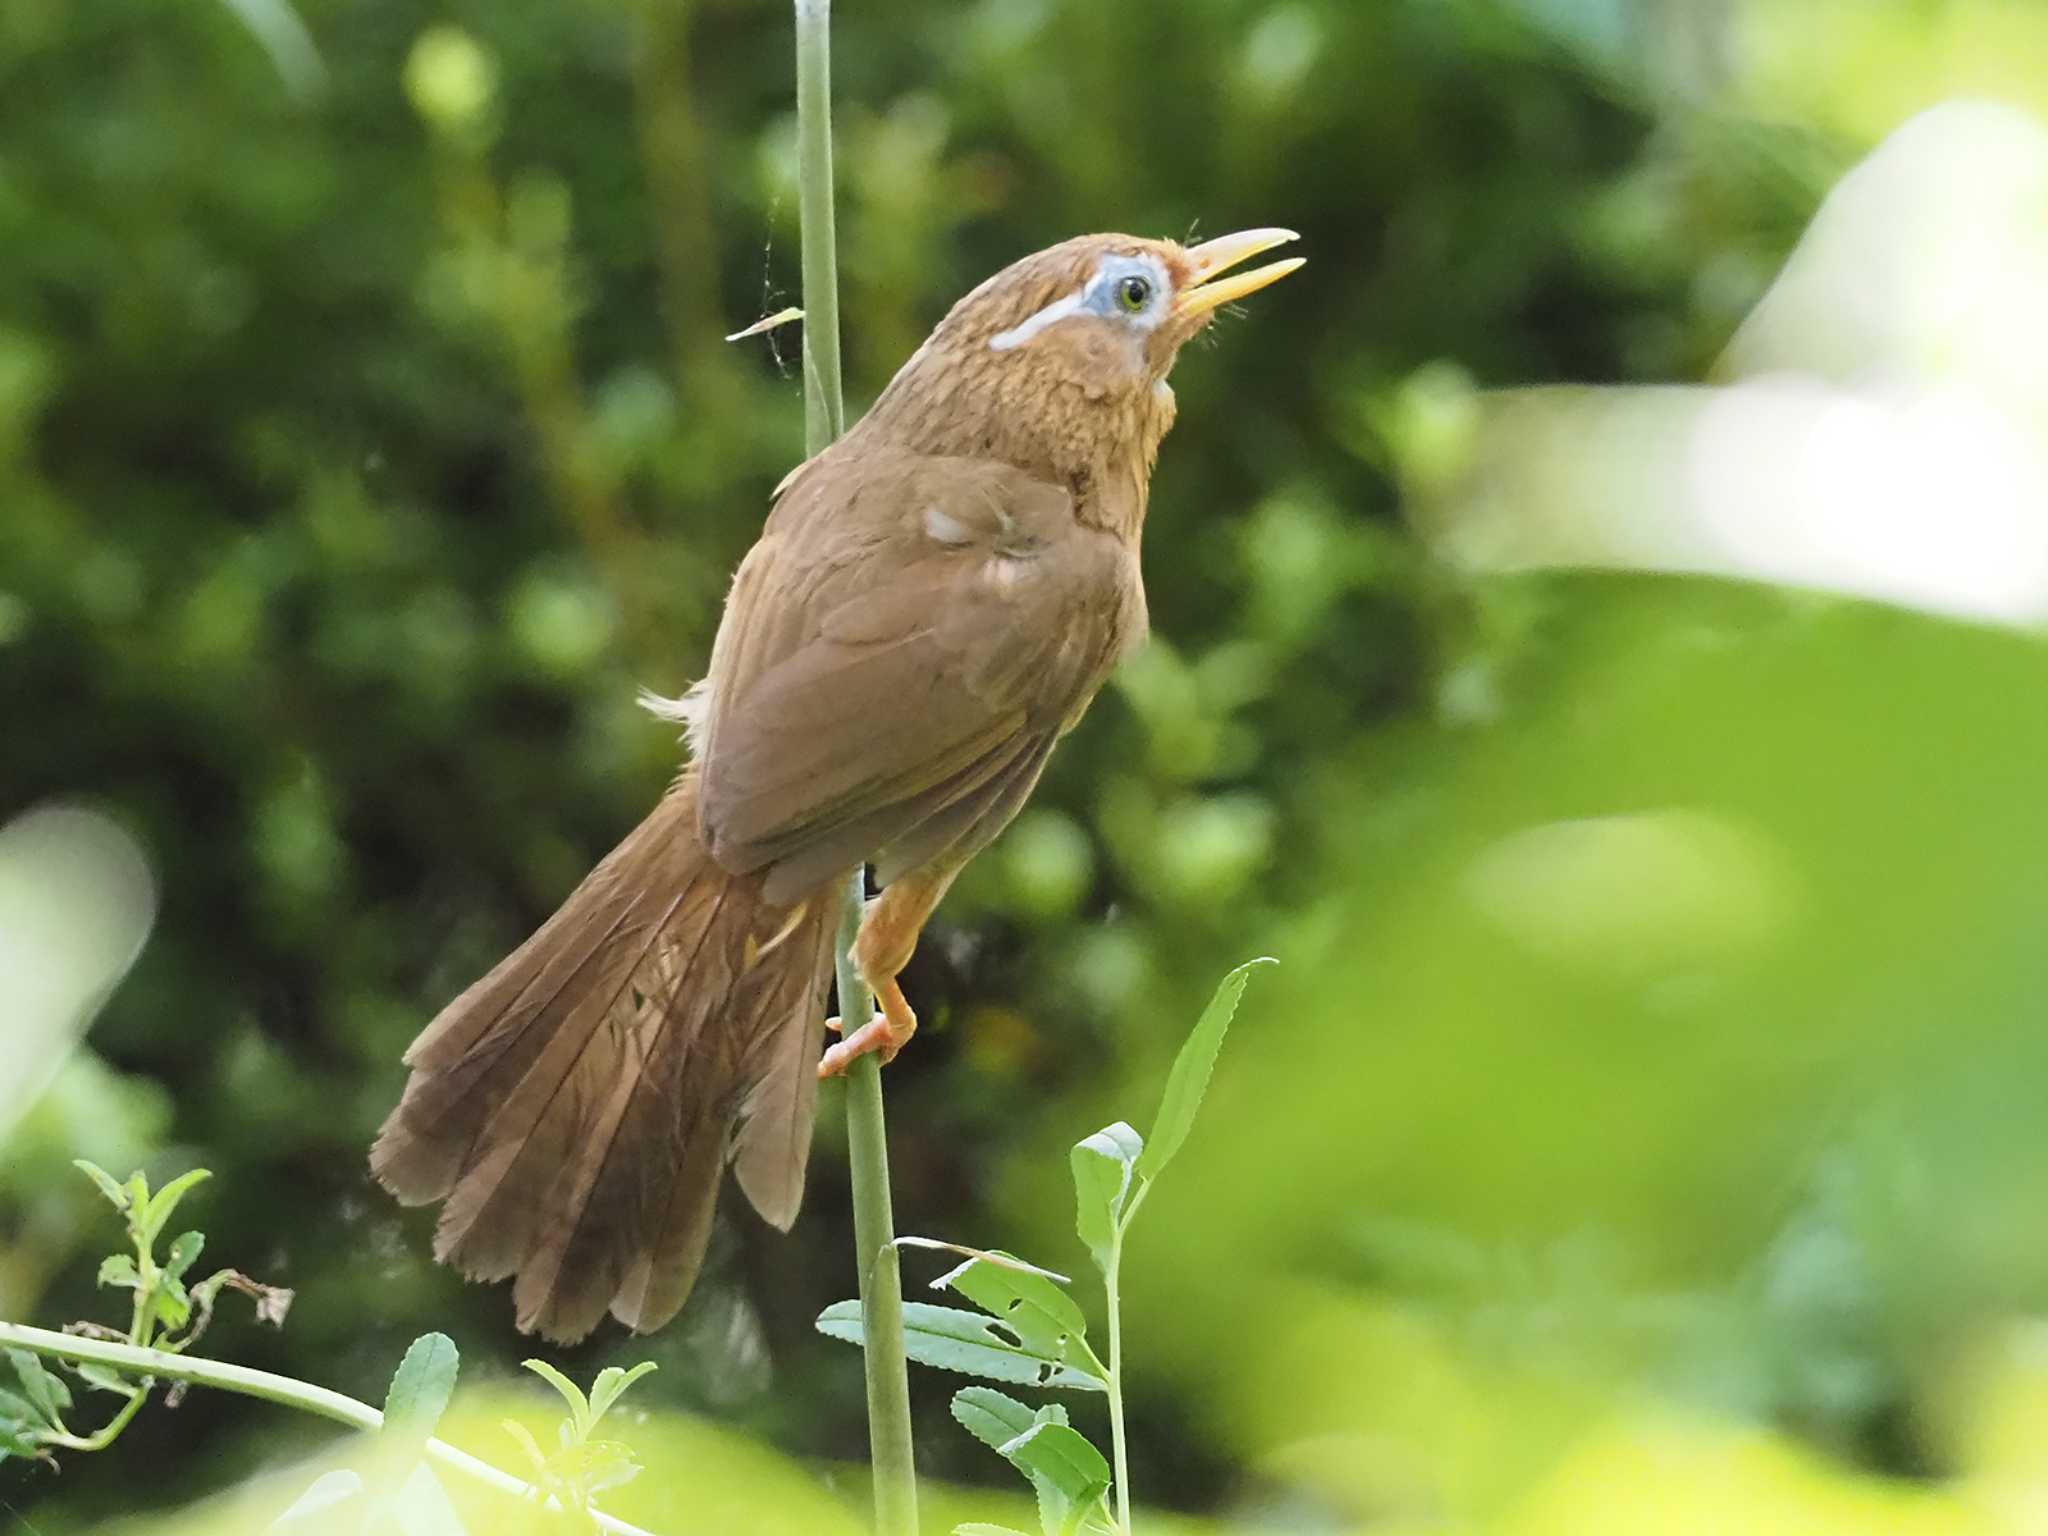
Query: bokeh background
{"points": [[1597, 652]]}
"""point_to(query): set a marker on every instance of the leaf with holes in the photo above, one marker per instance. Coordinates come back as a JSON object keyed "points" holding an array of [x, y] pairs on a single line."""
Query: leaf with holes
{"points": [[1041, 1314], [1189, 1079], [1102, 1183], [952, 1339]]}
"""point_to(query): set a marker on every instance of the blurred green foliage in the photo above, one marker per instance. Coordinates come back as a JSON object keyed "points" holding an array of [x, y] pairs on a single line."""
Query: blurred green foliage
{"points": [[1645, 1118]]}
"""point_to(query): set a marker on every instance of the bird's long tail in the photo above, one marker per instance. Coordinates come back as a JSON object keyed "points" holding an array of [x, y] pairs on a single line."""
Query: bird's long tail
{"points": [[576, 1108]]}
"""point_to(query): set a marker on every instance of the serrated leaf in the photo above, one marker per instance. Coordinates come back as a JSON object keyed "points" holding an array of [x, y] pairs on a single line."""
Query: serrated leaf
{"points": [[952, 1339], [1189, 1079], [579, 1405], [420, 1387], [119, 1269], [1042, 1315], [165, 1202], [994, 1418], [1062, 1457], [1103, 1166], [47, 1396], [611, 1385], [108, 1184], [185, 1250]]}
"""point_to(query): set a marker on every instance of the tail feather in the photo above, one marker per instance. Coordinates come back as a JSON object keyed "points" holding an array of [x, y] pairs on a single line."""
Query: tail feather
{"points": [[575, 1109]]}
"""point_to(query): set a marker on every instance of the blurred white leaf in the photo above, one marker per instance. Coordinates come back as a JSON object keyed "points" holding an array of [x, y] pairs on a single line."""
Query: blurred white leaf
{"points": [[1885, 430], [76, 903]]}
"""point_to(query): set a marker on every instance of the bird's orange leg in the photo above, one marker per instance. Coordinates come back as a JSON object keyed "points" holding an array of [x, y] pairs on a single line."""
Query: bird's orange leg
{"points": [[888, 937]]}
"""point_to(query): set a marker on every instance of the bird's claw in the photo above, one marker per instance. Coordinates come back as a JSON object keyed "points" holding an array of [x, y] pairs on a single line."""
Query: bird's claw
{"points": [[888, 1033]]}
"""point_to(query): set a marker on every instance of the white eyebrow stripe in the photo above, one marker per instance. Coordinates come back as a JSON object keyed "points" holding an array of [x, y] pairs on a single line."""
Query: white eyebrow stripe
{"points": [[1016, 336]]}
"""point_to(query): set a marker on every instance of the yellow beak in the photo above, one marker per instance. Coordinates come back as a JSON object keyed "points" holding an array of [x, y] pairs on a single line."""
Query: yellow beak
{"points": [[1212, 258]]}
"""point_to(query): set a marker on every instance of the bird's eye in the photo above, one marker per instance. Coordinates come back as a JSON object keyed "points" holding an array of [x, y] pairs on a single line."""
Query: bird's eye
{"points": [[1134, 293]]}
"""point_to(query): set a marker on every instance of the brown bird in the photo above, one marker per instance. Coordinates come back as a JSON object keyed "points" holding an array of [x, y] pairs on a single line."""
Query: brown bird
{"points": [[934, 601]]}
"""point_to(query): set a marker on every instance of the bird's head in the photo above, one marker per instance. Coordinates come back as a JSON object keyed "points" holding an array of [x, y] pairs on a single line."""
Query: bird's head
{"points": [[1071, 345]]}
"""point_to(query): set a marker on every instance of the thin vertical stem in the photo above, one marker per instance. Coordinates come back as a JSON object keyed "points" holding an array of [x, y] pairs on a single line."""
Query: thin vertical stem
{"points": [[874, 1230], [824, 405], [1119, 1457]]}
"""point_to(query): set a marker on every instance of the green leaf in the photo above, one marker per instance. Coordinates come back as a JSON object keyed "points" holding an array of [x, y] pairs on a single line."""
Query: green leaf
{"points": [[1102, 1182], [47, 1394], [164, 1202], [983, 1528], [105, 1377], [184, 1254], [579, 1405], [527, 1443], [17, 1411], [420, 1387], [606, 1464], [1189, 1079], [1062, 1457], [994, 1418], [611, 1385], [108, 1184], [951, 1339], [1042, 1315], [173, 1305], [119, 1269]]}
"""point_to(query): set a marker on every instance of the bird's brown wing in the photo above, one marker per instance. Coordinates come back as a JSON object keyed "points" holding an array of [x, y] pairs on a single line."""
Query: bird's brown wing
{"points": [[899, 652]]}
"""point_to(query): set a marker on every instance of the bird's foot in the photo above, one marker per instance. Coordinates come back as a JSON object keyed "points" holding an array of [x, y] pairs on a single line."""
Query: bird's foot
{"points": [[888, 1033]]}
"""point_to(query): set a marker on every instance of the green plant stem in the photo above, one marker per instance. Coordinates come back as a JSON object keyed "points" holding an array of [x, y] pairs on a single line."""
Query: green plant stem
{"points": [[874, 1228], [301, 1395], [824, 404], [1120, 1461]]}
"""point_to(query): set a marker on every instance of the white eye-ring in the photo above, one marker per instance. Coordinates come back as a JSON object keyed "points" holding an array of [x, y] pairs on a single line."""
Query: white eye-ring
{"points": [[1123, 288]]}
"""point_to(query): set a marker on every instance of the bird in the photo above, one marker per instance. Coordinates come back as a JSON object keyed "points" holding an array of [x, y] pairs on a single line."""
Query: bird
{"points": [[934, 600]]}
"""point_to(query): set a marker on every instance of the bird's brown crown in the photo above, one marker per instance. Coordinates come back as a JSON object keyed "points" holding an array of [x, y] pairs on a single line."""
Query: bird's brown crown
{"points": [[1058, 363]]}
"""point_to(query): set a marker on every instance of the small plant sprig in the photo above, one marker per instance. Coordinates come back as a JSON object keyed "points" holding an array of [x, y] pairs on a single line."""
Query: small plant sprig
{"points": [[166, 1314], [1030, 1332], [580, 1468]]}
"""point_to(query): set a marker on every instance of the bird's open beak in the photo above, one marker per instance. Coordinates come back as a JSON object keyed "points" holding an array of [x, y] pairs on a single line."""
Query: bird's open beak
{"points": [[1209, 260]]}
